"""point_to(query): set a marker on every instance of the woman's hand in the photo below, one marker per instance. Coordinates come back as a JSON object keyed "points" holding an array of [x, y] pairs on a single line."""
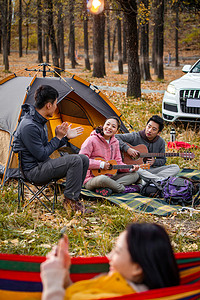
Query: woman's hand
{"points": [[62, 252], [106, 165], [57, 264]]}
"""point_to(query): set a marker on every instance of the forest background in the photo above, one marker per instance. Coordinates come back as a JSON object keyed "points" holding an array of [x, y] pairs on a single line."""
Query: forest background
{"points": [[126, 50]]}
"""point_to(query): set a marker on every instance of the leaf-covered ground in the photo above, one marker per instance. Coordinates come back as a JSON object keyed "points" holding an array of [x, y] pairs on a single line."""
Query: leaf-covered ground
{"points": [[34, 231]]}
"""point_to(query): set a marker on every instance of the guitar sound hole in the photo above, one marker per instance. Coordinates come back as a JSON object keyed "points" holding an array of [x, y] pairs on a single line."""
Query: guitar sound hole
{"points": [[110, 168]]}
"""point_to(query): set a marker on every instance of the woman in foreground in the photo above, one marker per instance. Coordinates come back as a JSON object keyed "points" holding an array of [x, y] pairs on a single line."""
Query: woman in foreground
{"points": [[142, 259]]}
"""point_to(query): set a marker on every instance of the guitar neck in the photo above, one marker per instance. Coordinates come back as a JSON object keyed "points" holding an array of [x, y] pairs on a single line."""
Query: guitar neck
{"points": [[143, 166], [170, 154], [122, 166]]}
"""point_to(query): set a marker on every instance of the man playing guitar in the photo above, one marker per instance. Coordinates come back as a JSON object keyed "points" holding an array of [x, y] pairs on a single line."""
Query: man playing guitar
{"points": [[150, 137]]}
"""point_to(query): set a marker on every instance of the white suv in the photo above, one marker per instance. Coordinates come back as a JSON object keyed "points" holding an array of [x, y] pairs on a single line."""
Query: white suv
{"points": [[181, 101]]}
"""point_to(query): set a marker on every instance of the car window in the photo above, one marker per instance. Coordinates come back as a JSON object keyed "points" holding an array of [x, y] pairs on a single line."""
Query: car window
{"points": [[196, 69]]}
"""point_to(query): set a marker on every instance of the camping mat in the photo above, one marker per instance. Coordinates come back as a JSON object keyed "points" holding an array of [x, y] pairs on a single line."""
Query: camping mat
{"points": [[142, 204]]}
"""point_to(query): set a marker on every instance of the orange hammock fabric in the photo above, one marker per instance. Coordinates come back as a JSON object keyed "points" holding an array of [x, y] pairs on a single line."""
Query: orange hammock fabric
{"points": [[20, 277]]}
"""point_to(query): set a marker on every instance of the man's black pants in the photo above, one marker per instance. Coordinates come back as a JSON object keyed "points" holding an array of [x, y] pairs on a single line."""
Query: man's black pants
{"points": [[72, 166]]}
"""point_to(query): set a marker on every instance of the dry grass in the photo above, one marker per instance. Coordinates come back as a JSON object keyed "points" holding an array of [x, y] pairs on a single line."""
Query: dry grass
{"points": [[34, 231]]}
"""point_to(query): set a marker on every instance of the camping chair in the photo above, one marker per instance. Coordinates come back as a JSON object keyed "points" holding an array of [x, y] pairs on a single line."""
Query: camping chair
{"points": [[20, 277], [40, 188]]}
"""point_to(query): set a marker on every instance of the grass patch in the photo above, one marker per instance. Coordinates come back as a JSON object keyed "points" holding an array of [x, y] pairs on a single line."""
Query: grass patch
{"points": [[34, 231]]}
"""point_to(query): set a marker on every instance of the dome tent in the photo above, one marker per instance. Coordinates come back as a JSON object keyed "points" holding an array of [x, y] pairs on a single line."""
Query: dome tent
{"points": [[79, 103]]}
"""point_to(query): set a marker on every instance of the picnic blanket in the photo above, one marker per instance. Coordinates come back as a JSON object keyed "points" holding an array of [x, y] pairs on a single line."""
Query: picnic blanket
{"points": [[142, 204]]}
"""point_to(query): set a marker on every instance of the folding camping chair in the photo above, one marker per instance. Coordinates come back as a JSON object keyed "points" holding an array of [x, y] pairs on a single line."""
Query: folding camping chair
{"points": [[40, 188]]}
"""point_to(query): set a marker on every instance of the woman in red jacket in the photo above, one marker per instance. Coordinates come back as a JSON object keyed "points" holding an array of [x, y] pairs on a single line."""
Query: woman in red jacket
{"points": [[102, 144]]}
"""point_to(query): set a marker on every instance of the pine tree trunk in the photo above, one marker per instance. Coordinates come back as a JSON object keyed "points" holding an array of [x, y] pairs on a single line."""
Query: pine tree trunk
{"points": [[98, 68], [160, 39], [61, 36], [20, 28], [124, 43], [39, 31], [144, 47], [176, 36], [85, 29], [144, 52], [108, 36], [4, 13], [120, 63], [134, 81], [72, 34], [27, 36], [43, 43], [102, 30], [113, 44], [47, 49], [9, 25], [52, 36], [0, 36]]}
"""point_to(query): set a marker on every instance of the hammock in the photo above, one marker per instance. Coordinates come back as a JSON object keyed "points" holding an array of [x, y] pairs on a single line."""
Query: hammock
{"points": [[20, 277]]}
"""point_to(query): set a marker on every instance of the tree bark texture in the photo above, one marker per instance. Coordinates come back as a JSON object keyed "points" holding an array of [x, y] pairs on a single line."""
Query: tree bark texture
{"points": [[155, 37], [144, 47], [47, 49], [61, 35], [52, 36], [124, 43], [4, 15], [130, 15], [108, 36], [39, 30], [0, 33], [113, 44], [27, 26], [119, 34], [72, 34], [9, 24], [20, 28], [176, 37], [160, 38], [85, 30], [98, 55], [102, 30]]}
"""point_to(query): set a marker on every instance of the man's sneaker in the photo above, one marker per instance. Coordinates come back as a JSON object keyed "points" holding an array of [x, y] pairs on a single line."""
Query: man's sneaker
{"points": [[103, 191], [132, 189]]}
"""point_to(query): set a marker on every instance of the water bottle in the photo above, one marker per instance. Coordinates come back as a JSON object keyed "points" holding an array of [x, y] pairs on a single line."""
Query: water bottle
{"points": [[172, 135]]}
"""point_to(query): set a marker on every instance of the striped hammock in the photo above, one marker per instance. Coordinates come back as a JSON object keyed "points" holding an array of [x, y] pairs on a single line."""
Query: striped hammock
{"points": [[20, 277]]}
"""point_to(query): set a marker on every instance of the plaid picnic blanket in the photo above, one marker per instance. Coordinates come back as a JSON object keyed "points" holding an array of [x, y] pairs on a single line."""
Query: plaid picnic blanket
{"points": [[142, 204]]}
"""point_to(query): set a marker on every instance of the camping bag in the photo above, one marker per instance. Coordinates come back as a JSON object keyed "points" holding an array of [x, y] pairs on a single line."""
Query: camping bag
{"points": [[152, 189], [178, 191], [174, 190]]}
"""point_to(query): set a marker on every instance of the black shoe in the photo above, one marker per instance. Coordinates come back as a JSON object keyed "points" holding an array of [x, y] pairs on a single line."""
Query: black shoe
{"points": [[103, 191]]}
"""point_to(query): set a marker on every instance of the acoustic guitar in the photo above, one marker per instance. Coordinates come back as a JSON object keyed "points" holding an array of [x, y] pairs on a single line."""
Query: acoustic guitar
{"points": [[143, 155], [114, 167]]}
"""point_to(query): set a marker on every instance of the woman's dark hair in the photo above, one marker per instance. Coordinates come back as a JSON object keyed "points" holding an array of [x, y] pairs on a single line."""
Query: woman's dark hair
{"points": [[149, 246], [99, 129], [157, 119], [45, 94]]}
